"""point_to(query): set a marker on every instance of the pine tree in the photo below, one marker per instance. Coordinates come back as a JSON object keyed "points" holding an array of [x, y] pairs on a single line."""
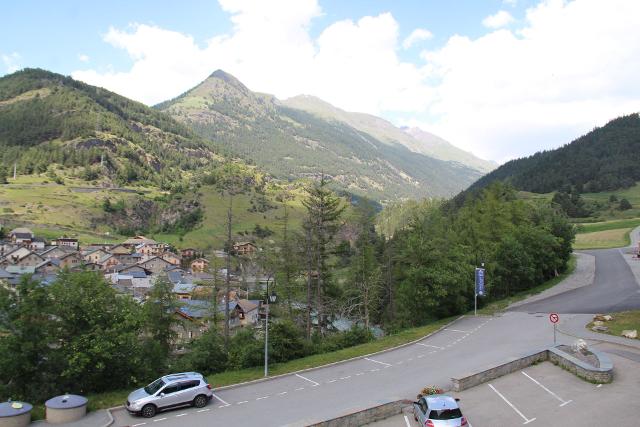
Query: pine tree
{"points": [[324, 210]]}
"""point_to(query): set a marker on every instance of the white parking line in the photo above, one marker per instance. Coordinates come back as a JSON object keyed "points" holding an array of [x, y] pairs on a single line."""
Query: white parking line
{"points": [[242, 402], [406, 420], [263, 397], [526, 420], [139, 424], [300, 388], [204, 410], [359, 373], [377, 361], [345, 378], [431, 346], [181, 415], [218, 397], [563, 403], [332, 381], [159, 419], [307, 379], [456, 330], [282, 393]]}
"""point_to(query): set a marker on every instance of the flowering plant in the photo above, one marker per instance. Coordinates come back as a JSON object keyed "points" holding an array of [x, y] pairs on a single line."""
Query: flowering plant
{"points": [[429, 390]]}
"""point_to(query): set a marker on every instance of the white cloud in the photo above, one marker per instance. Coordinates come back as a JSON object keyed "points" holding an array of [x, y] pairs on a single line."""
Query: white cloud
{"points": [[498, 20], [572, 66], [11, 62], [417, 35], [83, 58], [270, 50], [511, 3], [569, 66]]}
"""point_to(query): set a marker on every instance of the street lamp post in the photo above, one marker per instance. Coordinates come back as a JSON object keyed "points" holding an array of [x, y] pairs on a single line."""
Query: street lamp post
{"points": [[270, 299]]}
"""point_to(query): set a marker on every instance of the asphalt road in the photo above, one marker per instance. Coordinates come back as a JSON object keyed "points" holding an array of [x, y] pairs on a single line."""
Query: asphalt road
{"points": [[471, 344], [614, 289]]}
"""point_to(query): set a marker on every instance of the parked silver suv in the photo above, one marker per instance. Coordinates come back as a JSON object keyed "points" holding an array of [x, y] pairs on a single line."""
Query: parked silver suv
{"points": [[170, 391]]}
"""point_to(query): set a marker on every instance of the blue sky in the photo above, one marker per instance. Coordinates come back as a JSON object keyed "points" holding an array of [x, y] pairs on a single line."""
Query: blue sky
{"points": [[51, 35], [500, 78]]}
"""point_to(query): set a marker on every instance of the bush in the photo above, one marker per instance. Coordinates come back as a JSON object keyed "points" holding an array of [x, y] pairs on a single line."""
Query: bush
{"points": [[625, 205], [286, 342], [206, 355], [245, 350]]}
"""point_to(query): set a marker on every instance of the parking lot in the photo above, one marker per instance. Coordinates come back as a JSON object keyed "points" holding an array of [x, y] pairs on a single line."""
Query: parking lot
{"points": [[546, 395]]}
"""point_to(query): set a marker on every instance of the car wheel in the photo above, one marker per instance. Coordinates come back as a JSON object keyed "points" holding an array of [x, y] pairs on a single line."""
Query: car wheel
{"points": [[200, 401], [149, 411]]}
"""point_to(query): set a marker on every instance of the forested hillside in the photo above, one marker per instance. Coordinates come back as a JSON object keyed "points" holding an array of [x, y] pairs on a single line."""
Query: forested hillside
{"points": [[47, 118], [293, 143], [606, 158]]}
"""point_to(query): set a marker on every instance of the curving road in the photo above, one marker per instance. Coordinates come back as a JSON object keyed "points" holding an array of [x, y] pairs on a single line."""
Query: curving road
{"points": [[614, 289]]}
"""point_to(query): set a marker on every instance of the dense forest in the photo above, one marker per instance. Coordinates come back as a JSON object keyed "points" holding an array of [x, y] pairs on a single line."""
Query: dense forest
{"points": [[605, 159]]}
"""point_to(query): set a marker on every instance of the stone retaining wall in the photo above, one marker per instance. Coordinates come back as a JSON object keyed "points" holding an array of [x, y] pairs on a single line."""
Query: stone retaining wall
{"points": [[603, 374], [366, 416], [472, 380]]}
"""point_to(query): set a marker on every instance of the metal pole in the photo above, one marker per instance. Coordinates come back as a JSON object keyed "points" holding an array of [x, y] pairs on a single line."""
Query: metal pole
{"points": [[554, 334], [475, 303], [266, 336]]}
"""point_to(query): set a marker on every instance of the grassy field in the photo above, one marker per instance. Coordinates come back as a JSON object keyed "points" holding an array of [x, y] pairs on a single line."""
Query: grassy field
{"points": [[74, 209], [606, 234], [622, 321], [211, 233]]}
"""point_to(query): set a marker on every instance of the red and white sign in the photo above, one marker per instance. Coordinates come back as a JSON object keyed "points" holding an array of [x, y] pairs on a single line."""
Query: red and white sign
{"points": [[554, 317]]}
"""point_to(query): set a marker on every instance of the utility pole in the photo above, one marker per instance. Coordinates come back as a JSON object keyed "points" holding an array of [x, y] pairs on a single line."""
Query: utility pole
{"points": [[15, 170], [228, 276]]}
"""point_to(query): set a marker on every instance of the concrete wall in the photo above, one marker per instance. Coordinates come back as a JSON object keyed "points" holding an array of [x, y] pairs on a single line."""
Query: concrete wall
{"points": [[366, 416]]}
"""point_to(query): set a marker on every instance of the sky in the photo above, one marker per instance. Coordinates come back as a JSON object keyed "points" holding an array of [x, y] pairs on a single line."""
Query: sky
{"points": [[500, 78]]}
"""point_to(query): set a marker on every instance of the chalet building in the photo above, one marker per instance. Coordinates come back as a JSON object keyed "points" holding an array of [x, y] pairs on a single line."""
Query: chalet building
{"points": [[171, 258], [95, 255], [21, 236], [244, 248], [71, 261], [36, 244], [199, 264], [120, 249], [188, 253], [67, 242], [22, 257], [136, 241], [156, 265]]}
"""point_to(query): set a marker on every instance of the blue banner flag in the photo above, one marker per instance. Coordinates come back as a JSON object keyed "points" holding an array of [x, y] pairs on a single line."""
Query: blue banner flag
{"points": [[480, 281]]}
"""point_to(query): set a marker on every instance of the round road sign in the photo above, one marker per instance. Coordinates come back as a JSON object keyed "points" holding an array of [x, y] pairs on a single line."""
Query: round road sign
{"points": [[554, 317]]}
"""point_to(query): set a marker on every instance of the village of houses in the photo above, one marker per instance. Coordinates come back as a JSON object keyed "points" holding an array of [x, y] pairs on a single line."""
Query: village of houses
{"points": [[131, 267]]}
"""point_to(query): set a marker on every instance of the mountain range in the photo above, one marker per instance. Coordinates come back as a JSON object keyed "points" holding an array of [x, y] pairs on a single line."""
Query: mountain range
{"points": [[47, 118], [305, 137]]}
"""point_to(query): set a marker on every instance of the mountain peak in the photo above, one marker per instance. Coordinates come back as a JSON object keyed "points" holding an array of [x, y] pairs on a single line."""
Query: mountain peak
{"points": [[227, 78]]}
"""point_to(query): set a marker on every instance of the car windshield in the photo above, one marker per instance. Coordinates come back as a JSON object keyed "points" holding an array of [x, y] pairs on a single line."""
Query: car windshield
{"points": [[154, 386], [445, 414]]}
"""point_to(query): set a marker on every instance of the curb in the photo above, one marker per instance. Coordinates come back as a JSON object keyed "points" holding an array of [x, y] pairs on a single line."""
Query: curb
{"points": [[260, 380], [111, 419]]}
